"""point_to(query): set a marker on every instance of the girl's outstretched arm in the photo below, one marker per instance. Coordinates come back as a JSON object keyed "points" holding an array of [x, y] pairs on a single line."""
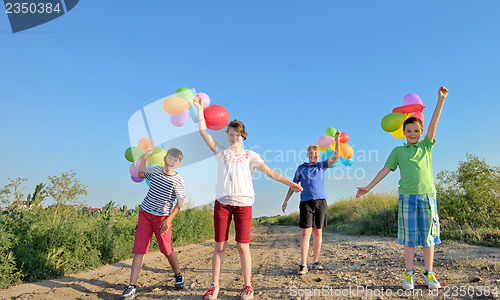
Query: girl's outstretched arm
{"points": [[431, 131], [202, 125], [381, 175], [277, 176]]}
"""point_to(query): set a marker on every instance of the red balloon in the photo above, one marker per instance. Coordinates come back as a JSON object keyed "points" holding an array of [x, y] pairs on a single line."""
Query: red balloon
{"points": [[216, 117], [419, 115], [343, 138], [408, 109]]}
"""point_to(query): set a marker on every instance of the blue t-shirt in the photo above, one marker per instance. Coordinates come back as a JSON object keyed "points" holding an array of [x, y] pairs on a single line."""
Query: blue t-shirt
{"points": [[312, 179]]}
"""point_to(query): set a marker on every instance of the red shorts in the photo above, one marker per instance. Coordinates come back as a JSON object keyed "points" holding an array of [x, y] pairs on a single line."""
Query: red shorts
{"points": [[146, 225], [242, 222]]}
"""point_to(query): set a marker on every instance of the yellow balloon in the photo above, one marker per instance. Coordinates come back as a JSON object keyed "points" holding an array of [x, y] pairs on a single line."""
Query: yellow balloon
{"points": [[157, 159], [175, 105], [346, 151], [399, 133], [333, 146], [324, 149]]}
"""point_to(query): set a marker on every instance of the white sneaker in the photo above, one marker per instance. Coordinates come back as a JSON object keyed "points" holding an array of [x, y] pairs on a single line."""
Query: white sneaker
{"points": [[302, 269], [431, 282], [408, 281]]}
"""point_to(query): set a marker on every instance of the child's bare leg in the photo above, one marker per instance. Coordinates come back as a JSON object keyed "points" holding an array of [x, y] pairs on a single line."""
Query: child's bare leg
{"points": [[304, 244], [174, 262], [409, 254], [217, 260], [318, 239], [428, 257], [246, 262], [136, 268]]}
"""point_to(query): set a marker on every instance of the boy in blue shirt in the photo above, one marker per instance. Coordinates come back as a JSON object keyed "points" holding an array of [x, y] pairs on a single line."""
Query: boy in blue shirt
{"points": [[313, 204]]}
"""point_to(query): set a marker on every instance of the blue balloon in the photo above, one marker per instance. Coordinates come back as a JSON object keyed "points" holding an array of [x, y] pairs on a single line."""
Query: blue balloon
{"points": [[347, 162], [149, 167], [329, 153], [193, 112]]}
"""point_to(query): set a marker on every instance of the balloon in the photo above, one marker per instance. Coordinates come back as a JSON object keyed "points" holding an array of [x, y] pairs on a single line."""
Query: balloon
{"points": [[145, 144], [136, 179], [399, 134], [407, 109], [159, 151], [327, 155], [330, 131], [392, 121], [325, 141], [419, 115], [157, 157], [175, 105], [185, 94], [179, 120], [346, 151], [205, 98], [343, 138], [193, 113], [133, 153], [411, 99], [324, 149], [216, 117], [134, 168], [148, 182], [346, 162]]}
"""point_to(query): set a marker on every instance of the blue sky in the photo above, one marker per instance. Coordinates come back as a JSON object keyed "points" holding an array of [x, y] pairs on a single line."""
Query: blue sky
{"points": [[287, 69]]}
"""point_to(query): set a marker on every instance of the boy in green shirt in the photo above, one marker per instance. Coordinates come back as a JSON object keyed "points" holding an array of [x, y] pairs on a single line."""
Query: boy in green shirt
{"points": [[418, 221]]}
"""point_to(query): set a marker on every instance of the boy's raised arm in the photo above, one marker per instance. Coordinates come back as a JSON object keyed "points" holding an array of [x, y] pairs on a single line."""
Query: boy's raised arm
{"points": [[202, 125], [336, 156], [142, 165], [431, 131]]}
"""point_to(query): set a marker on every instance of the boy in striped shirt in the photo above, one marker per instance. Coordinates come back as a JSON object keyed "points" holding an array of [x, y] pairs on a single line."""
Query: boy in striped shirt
{"points": [[156, 216]]}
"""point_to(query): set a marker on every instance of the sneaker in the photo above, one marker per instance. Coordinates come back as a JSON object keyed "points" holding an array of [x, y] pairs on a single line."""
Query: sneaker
{"points": [[179, 281], [408, 281], [247, 293], [431, 281], [130, 292], [302, 270], [213, 293], [316, 266]]}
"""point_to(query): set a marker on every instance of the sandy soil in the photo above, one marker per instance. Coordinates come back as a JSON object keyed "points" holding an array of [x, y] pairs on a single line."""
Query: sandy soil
{"points": [[355, 268]]}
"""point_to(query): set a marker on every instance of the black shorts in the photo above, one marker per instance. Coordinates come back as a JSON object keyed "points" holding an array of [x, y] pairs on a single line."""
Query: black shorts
{"points": [[313, 213]]}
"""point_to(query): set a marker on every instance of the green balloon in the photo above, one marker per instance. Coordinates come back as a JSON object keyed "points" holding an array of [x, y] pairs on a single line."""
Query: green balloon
{"points": [[133, 153], [392, 121], [185, 94], [330, 131]]}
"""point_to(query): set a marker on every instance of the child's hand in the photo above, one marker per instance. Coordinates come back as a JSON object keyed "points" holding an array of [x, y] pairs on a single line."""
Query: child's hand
{"points": [[165, 225], [442, 93], [198, 102], [283, 207], [337, 134], [148, 153], [296, 187], [361, 191]]}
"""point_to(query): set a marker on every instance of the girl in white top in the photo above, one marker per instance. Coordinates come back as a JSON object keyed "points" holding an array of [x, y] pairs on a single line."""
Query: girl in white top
{"points": [[234, 197]]}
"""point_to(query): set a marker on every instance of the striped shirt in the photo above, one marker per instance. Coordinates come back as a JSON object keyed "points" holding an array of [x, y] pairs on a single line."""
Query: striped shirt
{"points": [[163, 191]]}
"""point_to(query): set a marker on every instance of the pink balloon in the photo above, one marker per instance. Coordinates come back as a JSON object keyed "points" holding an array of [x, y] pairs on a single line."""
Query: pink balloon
{"points": [[419, 115], [412, 99], [137, 179], [179, 120], [205, 98], [325, 141]]}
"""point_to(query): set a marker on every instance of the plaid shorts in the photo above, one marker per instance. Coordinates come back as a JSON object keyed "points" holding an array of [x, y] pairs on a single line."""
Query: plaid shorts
{"points": [[418, 221]]}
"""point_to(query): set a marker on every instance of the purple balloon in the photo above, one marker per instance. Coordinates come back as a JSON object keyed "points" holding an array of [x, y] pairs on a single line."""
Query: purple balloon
{"points": [[205, 98], [137, 179], [134, 168], [412, 99], [325, 141], [179, 120]]}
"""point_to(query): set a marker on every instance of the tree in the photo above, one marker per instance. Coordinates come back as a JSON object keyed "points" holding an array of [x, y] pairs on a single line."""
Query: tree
{"points": [[38, 195], [12, 194], [66, 189]]}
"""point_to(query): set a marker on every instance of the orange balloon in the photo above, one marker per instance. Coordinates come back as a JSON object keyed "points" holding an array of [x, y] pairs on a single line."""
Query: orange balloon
{"points": [[175, 105], [145, 144], [346, 151]]}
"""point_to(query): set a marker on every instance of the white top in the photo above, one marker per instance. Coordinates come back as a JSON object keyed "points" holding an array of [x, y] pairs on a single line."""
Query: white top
{"points": [[234, 176]]}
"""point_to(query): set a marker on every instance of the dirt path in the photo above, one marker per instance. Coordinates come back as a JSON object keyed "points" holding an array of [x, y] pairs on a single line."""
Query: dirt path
{"points": [[355, 268]]}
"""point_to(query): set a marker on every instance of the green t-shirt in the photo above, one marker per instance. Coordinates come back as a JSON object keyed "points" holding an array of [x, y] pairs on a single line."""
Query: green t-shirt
{"points": [[415, 167]]}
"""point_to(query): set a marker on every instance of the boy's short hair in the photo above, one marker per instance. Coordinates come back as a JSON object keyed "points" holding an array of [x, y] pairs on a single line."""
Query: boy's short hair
{"points": [[413, 120], [313, 147], [176, 153], [238, 126]]}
